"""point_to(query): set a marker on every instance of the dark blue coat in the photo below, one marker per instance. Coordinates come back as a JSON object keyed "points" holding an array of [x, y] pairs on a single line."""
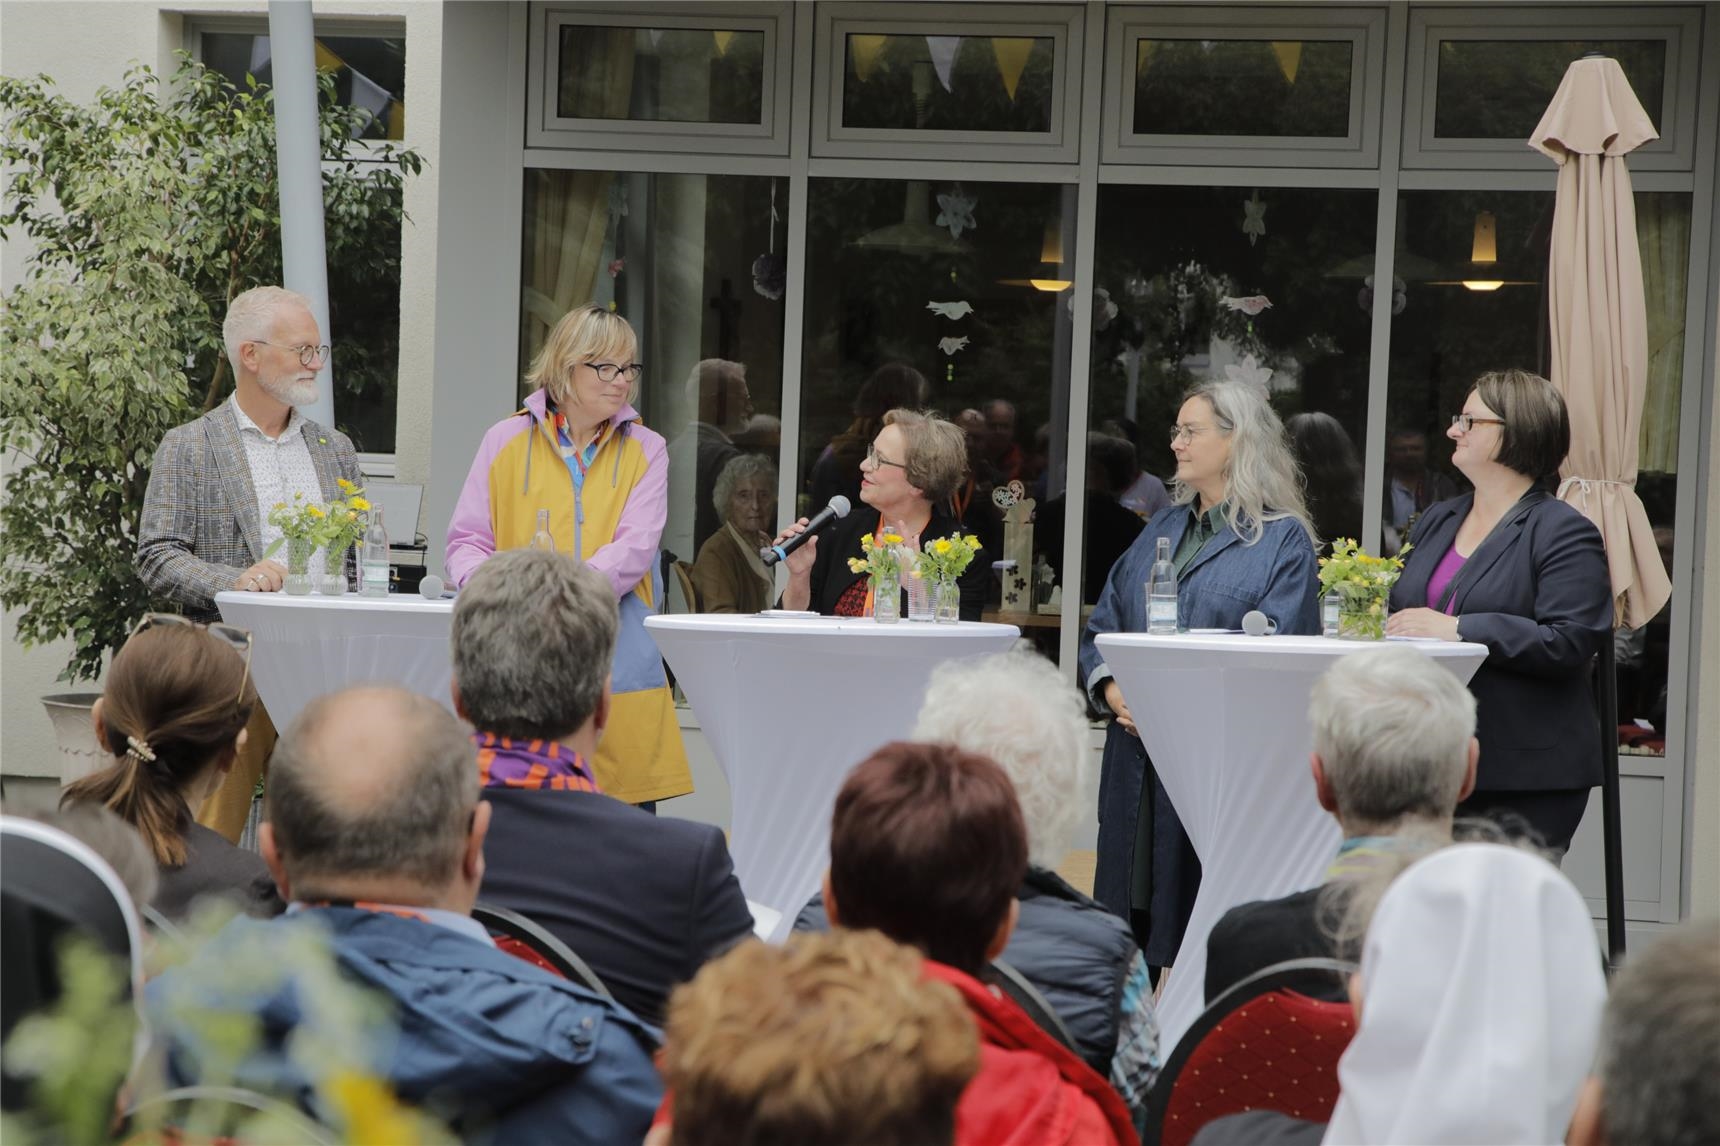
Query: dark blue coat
{"points": [[1277, 575], [505, 1051], [1537, 593]]}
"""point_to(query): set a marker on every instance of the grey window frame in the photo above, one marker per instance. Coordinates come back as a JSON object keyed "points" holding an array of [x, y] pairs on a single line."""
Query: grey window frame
{"points": [[1681, 27], [768, 137], [1365, 28], [1064, 24]]}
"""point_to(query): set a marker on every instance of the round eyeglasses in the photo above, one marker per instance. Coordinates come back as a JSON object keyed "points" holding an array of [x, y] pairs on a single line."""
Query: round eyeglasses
{"points": [[308, 355]]}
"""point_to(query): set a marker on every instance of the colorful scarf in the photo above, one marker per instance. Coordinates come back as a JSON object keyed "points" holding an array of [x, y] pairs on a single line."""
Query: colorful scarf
{"points": [[507, 763]]}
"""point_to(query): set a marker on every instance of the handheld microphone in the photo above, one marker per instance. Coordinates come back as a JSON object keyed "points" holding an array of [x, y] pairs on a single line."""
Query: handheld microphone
{"points": [[431, 587], [1258, 624], [771, 554]]}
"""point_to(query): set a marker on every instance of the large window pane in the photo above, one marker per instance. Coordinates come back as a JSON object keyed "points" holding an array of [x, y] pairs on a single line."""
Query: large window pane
{"points": [[1243, 87], [369, 71], [1267, 285], [1456, 318], [948, 83], [679, 75], [973, 313], [1498, 89], [694, 262]]}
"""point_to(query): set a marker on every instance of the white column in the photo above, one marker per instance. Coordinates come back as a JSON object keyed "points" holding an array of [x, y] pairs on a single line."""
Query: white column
{"points": [[298, 155]]}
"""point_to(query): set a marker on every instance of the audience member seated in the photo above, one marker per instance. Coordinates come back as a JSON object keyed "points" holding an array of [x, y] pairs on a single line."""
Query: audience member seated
{"points": [[1478, 1008], [1394, 752], [828, 1041], [927, 845], [375, 835], [173, 713], [728, 573], [77, 877], [1019, 711], [1653, 1084], [643, 900]]}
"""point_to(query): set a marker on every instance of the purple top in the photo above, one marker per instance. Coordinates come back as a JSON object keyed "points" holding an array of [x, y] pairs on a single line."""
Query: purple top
{"points": [[1442, 575]]}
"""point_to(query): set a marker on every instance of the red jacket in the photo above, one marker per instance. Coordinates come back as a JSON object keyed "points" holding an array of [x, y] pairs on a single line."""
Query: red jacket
{"points": [[1030, 1090]]}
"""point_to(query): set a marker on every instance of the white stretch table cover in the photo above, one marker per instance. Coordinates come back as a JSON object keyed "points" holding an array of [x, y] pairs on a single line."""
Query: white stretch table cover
{"points": [[788, 707], [1225, 720], [303, 647]]}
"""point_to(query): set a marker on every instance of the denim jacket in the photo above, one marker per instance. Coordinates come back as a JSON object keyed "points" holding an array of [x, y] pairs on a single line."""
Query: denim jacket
{"points": [[1277, 575]]}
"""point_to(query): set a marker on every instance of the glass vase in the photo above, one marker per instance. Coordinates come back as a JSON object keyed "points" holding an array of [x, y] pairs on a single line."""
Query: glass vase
{"points": [[332, 580], [1362, 618], [946, 602], [299, 580], [886, 598], [920, 590]]}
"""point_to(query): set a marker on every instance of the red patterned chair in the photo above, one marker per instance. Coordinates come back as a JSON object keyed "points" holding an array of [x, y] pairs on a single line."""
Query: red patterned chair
{"points": [[1260, 1045]]}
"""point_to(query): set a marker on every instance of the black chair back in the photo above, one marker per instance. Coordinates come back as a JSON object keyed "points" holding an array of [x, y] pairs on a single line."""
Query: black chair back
{"points": [[1026, 996], [533, 935]]}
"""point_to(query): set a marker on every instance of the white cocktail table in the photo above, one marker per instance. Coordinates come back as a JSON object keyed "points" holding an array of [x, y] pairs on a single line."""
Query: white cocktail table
{"points": [[303, 647], [1225, 721], [788, 706]]}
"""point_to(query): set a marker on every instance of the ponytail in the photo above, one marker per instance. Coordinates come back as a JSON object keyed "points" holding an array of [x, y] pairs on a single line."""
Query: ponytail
{"points": [[171, 707]]}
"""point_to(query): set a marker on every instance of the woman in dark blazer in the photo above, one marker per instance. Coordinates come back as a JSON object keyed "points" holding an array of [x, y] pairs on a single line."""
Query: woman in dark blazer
{"points": [[173, 712], [1511, 567], [916, 462], [1240, 539]]}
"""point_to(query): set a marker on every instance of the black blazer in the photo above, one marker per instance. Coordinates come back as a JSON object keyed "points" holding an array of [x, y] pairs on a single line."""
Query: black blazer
{"points": [[1253, 936], [644, 900], [831, 575], [1538, 594], [214, 867]]}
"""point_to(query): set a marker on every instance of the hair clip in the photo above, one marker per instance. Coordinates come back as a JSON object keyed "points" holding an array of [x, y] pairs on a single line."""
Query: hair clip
{"points": [[139, 750]]}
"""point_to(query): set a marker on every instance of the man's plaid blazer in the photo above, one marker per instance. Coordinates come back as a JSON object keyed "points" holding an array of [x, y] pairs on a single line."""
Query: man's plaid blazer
{"points": [[200, 527]]}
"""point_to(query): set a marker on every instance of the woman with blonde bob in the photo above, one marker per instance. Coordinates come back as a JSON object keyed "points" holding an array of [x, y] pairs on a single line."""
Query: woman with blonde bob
{"points": [[577, 450], [1240, 540]]}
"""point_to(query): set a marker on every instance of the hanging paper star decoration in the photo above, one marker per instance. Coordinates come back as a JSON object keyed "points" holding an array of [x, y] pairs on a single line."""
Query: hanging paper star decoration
{"points": [[1249, 371], [955, 211], [1254, 218]]}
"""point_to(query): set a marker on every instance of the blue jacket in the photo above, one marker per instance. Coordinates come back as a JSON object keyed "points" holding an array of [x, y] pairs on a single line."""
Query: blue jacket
{"points": [[501, 1050], [1537, 593], [1277, 575]]}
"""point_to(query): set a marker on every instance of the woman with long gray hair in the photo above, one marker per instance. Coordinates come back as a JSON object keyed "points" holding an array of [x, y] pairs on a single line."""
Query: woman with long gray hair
{"points": [[1240, 540]]}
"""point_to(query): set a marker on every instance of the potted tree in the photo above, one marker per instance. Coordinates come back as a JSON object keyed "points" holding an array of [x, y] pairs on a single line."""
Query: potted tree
{"points": [[147, 210]]}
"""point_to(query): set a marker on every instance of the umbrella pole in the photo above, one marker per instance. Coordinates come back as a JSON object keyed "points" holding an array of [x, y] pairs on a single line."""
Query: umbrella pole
{"points": [[1606, 700]]}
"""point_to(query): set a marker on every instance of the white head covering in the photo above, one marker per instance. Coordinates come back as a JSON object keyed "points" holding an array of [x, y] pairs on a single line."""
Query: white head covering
{"points": [[1481, 1005]]}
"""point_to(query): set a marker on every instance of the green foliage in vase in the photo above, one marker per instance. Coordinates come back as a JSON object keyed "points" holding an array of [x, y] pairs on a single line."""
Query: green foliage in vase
{"points": [[147, 210]]}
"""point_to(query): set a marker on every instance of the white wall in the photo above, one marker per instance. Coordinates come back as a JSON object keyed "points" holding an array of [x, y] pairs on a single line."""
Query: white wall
{"points": [[1705, 699], [84, 46]]}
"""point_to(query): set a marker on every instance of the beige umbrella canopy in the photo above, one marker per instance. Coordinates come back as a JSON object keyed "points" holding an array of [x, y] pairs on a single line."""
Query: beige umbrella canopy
{"points": [[1599, 319]]}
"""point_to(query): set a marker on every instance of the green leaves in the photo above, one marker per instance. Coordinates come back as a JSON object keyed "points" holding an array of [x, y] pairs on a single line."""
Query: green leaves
{"points": [[147, 209]]}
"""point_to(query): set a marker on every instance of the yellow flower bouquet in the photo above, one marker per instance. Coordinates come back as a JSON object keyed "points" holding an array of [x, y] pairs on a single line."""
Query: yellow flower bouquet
{"points": [[882, 565], [1363, 583], [942, 562]]}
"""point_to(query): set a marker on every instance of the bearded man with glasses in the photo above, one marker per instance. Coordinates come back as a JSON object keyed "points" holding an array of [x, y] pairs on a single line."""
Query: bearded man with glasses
{"points": [[205, 524]]}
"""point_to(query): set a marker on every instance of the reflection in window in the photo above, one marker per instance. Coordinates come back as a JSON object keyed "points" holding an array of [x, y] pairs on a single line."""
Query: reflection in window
{"points": [[1243, 87], [952, 296], [1498, 89], [369, 72], [695, 264], [1267, 285], [948, 83], [1445, 332], [678, 75]]}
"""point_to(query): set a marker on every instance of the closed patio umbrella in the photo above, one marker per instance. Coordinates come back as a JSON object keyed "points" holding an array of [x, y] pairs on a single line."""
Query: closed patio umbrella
{"points": [[1599, 319]]}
